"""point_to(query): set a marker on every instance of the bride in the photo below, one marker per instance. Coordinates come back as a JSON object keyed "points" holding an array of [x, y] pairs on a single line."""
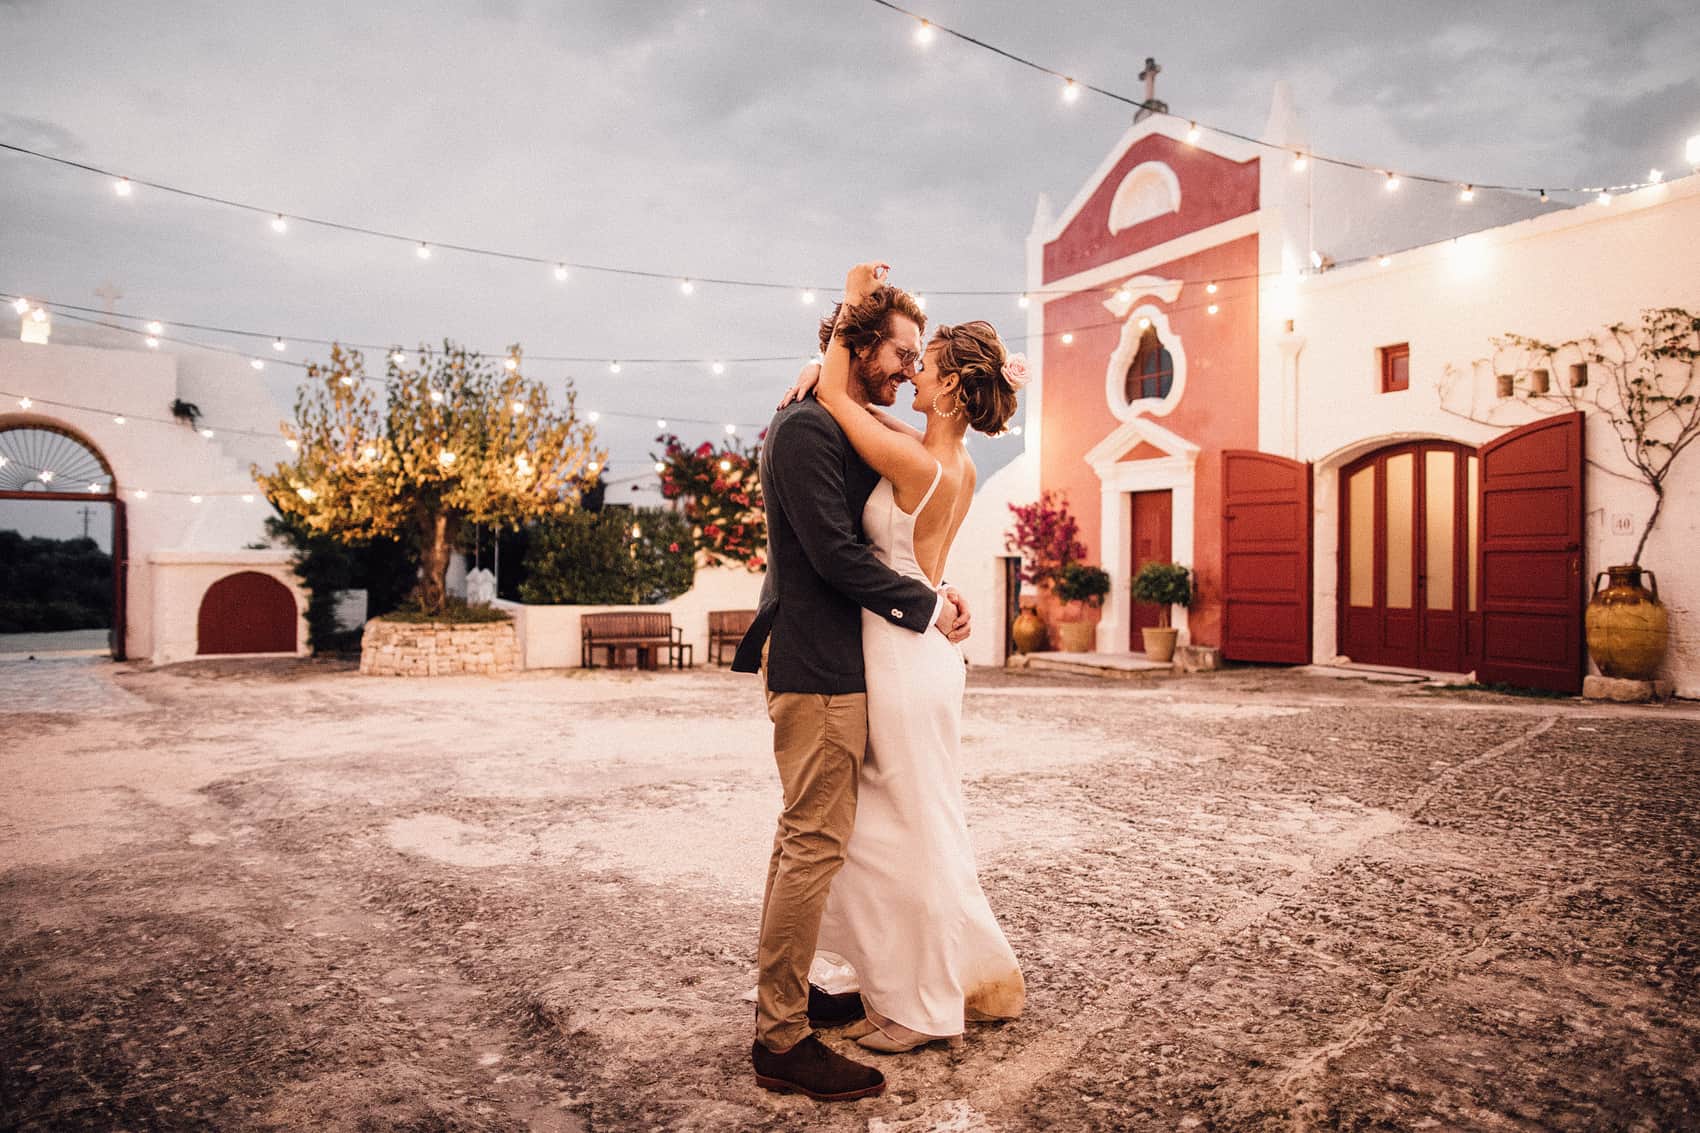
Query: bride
{"points": [[906, 911]]}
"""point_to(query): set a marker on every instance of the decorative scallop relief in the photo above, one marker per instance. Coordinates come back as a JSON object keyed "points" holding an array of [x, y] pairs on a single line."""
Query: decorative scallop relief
{"points": [[1149, 190]]}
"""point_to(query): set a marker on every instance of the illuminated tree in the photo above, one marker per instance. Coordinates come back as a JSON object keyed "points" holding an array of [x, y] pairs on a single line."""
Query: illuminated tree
{"points": [[452, 438]]}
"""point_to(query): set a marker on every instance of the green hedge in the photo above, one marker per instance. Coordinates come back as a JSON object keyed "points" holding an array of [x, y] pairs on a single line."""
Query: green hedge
{"points": [[614, 557], [48, 585]]}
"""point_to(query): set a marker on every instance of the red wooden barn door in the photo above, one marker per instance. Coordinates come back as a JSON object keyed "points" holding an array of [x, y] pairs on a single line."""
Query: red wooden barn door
{"points": [[247, 612], [1153, 529], [1266, 558], [1531, 508]]}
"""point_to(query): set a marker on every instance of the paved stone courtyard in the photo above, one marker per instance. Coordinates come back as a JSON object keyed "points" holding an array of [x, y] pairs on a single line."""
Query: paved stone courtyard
{"points": [[279, 896]]}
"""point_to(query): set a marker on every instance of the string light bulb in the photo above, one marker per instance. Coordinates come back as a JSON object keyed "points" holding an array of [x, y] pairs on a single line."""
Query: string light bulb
{"points": [[1210, 288], [1016, 431], [1212, 309], [153, 343], [92, 488], [613, 367], [1385, 260], [446, 457], [594, 466], [1192, 133], [423, 251], [921, 302], [397, 357], [39, 314], [292, 445], [257, 363], [718, 368], [279, 345], [46, 476], [1068, 338], [279, 224], [347, 380], [1023, 301], [510, 364], [1604, 198], [561, 272], [156, 327], [808, 297], [1299, 161], [1144, 324], [1391, 183], [24, 403], [1467, 194], [122, 186], [686, 287], [247, 497], [436, 397], [195, 499], [731, 429], [118, 419], [660, 467], [1544, 197], [141, 493], [21, 305], [1123, 295], [207, 433], [924, 34], [593, 416], [519, 409], [370, 452], [306, 493], [1071, 91], [1654, 176], [661, 422], [725, 466]]}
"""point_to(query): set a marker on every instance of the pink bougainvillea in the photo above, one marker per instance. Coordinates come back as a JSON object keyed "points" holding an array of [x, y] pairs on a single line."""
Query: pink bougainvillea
{"points": [[1046, 535], [719, 491]]}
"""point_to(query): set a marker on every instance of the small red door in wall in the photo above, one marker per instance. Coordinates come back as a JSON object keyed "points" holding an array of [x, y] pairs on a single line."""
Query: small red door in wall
{"points": [[247, 612], [1153, 520], [1266, 502], [1531, 508]]}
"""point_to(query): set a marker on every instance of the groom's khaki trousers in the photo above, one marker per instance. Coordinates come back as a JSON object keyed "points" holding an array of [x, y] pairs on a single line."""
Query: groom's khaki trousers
{"points": [[818, 743]]}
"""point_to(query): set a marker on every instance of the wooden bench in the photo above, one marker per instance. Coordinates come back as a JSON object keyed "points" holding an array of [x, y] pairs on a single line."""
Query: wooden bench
{"points": [[644, 634], [726, 628]]}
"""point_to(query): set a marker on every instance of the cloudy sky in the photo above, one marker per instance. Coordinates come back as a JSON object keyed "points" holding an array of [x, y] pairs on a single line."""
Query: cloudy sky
{"points": [[731, 138]]}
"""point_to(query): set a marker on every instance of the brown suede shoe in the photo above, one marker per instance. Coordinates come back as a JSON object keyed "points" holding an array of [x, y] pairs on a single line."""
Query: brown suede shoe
{"points": [[828, 1010], [814, 1069]]}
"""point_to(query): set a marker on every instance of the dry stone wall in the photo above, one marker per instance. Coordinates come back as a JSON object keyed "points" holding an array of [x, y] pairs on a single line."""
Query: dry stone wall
{"points": [[404, 649]]}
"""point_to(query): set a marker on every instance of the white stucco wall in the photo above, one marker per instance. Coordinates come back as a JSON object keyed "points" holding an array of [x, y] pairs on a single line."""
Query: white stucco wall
{"points": [[180, 580], [975, 566], [1555, 277], [158, 463], [549, 635]]}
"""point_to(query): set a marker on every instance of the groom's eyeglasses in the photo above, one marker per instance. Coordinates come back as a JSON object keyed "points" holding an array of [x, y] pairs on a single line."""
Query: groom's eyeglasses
{"points": [[910, 359]]}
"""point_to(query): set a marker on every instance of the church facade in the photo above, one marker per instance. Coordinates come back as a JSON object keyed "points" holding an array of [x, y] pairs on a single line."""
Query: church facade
{"points": [[1267, 384]]}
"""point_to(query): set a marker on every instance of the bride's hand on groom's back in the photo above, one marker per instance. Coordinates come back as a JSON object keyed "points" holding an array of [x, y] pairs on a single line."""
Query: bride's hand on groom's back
{"points": [[807, 379]]}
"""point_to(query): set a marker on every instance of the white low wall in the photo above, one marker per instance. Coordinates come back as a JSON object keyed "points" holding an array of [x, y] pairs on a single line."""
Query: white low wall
{"points": [[181, 579], [549, 635]]}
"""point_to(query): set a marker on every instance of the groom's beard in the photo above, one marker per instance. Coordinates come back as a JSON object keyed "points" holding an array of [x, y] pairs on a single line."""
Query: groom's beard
{"points": [[878, 387]]}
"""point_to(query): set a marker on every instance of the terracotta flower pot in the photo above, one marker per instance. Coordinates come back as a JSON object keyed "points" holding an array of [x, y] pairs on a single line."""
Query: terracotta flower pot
{"points": [[1029, 631], [1628, 628], [1159, 643], [1078, 637]]}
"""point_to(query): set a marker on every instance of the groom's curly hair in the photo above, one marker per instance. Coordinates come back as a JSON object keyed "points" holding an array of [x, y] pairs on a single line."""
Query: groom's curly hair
{"points": [[868, 320]]}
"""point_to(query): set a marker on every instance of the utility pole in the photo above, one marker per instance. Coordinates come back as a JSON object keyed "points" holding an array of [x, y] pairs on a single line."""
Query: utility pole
{"points": [[86, 512]]}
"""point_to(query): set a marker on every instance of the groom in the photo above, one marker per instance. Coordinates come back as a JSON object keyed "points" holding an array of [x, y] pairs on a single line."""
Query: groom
{"points": [[820, 576]]}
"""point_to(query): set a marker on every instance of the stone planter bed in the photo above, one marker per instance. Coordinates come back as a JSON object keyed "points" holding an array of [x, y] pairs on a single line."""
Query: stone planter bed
{"points": [[430, 649]]}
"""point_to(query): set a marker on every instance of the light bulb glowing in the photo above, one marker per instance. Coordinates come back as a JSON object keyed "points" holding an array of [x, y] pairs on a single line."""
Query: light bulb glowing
{"points": [[292, 445], [1391, 183], [156, 327], [1691, 151], [1654, 176], [924, 33], [93, 488], [1071, 91], [593, 416], [397, 357], [1210, 288], [278, 344], [1192, 133], [921, 302], [21, 305], [613, 367], [122, 186], [594, 466], [519, 408], [660, 467], [1124, 296], [661, 422], [637, 531], [446, 457], [1544, 197], [207, 433], [46, 476], [511, 364], [1212, 309], [153, 343], [194, 499], [718, 368], [1144, 324], [306, 493], [39, 314], [436, 397], [1604, 198], [279, 224], [725, 466], [247, 497], [686, 287], [809, 298], [1299, 161], [1023, 302], [256, 363], [118, 420], [423, 251], [1467, 194], [347, 380], [561, 272], [1385, 260], [141, 493], [24, 403], [1068, 338], [1016, 431], [370, 452], [730, 429]]}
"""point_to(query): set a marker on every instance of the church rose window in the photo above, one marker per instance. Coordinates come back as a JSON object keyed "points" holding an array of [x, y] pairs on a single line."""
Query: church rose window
{"points": [[1152, 372]]}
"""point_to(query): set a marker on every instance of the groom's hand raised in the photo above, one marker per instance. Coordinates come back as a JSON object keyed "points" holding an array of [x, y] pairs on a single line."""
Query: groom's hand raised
{"points": [[954, 620]]}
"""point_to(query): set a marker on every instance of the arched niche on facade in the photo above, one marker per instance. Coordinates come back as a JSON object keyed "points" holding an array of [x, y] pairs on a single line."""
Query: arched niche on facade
{"points": [[1149, 190], [1146, 374]]}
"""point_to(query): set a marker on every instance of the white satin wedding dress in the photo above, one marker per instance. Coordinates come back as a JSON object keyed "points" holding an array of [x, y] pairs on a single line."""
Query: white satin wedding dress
{"points": [[906, 911]]}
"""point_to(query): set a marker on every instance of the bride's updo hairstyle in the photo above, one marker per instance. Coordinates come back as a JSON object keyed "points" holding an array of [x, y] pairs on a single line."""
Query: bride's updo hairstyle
{"points": [[975, 354]]}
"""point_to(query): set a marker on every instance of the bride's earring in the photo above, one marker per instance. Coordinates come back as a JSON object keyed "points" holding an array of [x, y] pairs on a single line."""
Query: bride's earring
{"points": [[954, 410]]}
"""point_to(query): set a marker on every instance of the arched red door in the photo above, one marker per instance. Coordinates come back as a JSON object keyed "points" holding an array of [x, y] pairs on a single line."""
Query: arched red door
{"points": [[247, 612], [1408, 587]]}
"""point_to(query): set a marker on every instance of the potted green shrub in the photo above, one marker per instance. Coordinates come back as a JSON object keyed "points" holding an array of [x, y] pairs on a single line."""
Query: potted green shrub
{"points": [[1165, 585], [1080, 587]]}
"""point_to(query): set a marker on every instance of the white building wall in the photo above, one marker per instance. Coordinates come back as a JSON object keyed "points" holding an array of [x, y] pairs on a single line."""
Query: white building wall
{"points": [[1555, 277]]}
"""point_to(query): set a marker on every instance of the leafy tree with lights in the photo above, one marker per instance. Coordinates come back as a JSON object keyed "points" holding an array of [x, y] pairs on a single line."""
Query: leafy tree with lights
{"points": [[455, 438], [719, 492]]}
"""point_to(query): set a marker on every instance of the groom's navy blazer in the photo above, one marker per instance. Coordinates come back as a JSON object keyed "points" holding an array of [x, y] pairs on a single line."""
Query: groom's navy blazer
{"points": [[820, 571]]}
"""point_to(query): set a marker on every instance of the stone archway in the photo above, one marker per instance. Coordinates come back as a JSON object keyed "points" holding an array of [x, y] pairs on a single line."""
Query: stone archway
{"points": [[247, 612], [43, 460]]}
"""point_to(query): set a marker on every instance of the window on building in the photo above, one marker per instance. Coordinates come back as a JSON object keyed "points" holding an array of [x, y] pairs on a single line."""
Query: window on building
{"points": [[1152, 371], [1395, 368]]}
